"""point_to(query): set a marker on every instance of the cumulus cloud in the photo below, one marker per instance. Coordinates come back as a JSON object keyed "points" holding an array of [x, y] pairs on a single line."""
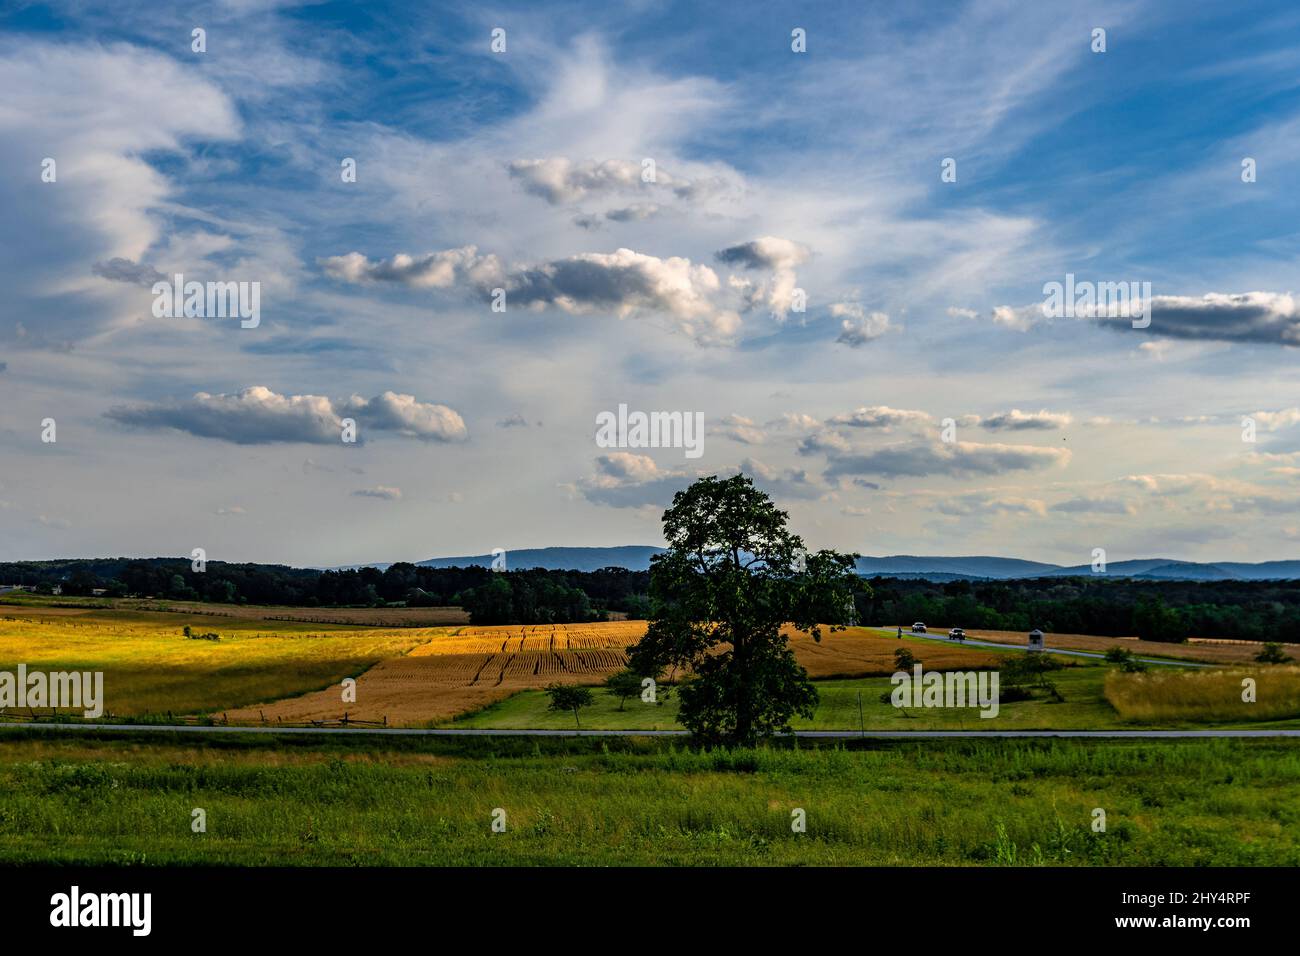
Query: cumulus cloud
{"points": [[559, 180], [766, 252], [257, 415], [390, 411], [382, 492], [824, 442], [858, 326], [637, 212], [118, 269], [778, 256], [433, 270], [1262, 318], [981, 503], [627, 283], [1021, 319], [741, 429], [623, 282], [627, 480], [880, 416], [955, 459], [1016, 420], [1087, 504], [781, 483], [795, 421]]}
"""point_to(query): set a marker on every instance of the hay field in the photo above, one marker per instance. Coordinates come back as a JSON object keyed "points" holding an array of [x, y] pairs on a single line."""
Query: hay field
{"points": [[472, 667], [465, 669], [1207, 653]]}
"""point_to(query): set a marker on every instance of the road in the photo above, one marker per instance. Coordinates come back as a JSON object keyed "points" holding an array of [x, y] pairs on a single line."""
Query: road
{"points": [[973, 642], [468, 732]]}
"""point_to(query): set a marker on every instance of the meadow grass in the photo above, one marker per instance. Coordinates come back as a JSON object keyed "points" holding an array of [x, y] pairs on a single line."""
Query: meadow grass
{"points": [[151, 668], [1209, 695], [647, 802], [1083, 686]]}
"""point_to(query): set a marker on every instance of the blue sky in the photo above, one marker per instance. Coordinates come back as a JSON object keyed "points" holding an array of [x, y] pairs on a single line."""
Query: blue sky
{"points": [[782, 179]]}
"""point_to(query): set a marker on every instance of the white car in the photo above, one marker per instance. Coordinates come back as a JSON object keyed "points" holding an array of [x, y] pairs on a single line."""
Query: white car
{"points": [[918, 628], [957, 634]]}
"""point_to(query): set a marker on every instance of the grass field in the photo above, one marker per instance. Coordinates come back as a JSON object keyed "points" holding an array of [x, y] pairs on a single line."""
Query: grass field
{"points": [[150, 667], [341, 616], [1206, 695], [1085, 687], [645, 802]]}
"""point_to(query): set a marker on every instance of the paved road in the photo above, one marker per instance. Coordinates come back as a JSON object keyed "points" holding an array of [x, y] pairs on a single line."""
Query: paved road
{"points": [[973, 642], [467, 732]]}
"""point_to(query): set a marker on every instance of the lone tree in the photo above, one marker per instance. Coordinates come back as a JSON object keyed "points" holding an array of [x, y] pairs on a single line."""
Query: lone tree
{"points": [[623, 684], [568, 697], [731, 577]]}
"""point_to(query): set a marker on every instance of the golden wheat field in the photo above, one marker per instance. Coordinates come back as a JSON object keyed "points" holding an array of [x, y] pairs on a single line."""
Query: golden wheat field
{"points": [[468, 668]]}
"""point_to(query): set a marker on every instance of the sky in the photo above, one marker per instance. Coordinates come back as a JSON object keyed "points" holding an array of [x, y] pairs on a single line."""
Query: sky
{"points": [[827, 231]]}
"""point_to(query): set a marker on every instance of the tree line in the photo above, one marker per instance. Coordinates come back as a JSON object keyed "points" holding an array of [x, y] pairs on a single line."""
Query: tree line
{"points": [[1168, 611], [1155, 610], [530, 596]]}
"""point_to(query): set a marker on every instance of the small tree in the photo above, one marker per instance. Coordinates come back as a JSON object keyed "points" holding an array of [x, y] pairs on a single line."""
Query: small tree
{"points": [[568, 697], [624, 684], [1126, 661], [903, 659], [1271, 654]]}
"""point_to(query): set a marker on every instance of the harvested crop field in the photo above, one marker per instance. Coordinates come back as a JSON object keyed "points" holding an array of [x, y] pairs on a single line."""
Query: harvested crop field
{"points": [[463, 670]]}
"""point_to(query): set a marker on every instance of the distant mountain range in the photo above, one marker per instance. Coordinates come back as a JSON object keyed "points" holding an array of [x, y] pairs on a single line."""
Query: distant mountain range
{"points": [[976, 567]]}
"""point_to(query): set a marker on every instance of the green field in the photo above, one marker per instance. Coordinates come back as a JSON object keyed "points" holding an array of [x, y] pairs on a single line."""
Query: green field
{"points": [[647, 802], [1082, 685], [152, 668]]}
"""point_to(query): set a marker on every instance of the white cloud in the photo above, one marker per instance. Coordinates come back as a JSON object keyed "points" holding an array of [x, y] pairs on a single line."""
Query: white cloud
{"points": [[382, 492], [257, 415], [880, 416], [858, 326], [1016, 420]]}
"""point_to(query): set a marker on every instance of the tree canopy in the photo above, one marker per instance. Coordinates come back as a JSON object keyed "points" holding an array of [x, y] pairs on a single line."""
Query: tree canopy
{"points": [[732, 575]]}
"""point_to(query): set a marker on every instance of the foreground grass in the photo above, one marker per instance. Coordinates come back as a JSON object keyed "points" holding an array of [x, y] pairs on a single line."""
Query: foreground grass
{"points": [[647, 802]]}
